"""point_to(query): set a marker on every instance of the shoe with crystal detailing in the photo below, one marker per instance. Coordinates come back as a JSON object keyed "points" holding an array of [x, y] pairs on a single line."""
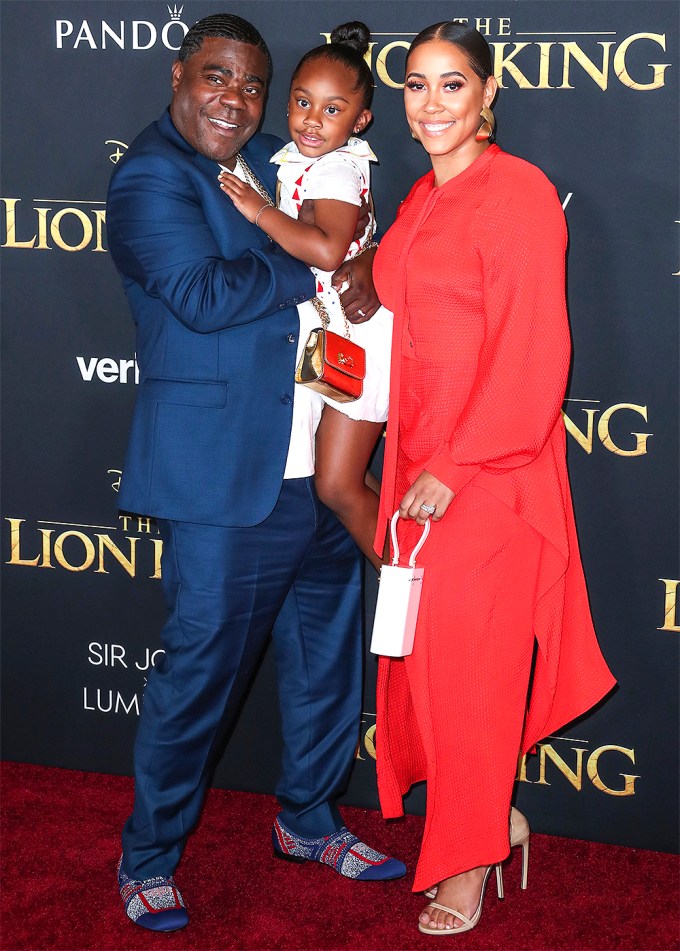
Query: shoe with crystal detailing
{"points": [[155, 903], [342, 851]]}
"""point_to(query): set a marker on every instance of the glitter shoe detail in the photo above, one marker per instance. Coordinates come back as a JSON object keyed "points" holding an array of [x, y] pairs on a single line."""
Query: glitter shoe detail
{"points": [[155, 903], [342, 851]]}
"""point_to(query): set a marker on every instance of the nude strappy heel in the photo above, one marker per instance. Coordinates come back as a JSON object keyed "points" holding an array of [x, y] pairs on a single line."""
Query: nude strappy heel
{"points": [[468, 923], [520, 834]]}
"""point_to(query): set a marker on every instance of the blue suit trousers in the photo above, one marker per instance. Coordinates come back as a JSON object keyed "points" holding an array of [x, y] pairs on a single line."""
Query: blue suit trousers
{"points": [[296, 575]]}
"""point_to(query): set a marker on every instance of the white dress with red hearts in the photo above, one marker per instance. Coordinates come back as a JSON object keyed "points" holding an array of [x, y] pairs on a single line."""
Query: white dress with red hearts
{"points": [[342, 175]]}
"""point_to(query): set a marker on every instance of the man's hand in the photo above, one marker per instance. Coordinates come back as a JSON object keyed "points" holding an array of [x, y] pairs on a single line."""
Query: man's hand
{"points": [[362, 223], [426, 490], [358, 296]]}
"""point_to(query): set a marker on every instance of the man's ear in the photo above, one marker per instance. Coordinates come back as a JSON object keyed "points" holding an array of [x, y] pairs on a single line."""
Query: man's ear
{"points": [[176, 74]]}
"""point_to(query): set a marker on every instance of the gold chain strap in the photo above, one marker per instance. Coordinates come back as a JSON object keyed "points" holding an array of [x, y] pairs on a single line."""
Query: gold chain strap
{"points": [[253, 180], [319, 306], [322, 311]]}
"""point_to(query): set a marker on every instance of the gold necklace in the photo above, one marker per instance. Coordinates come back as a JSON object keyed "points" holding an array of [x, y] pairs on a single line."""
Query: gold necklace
{"points": [[253, 180]]}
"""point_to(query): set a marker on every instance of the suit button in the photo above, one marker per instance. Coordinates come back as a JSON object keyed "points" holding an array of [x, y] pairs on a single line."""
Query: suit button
{"points": [[291, 338], [285, 399]]}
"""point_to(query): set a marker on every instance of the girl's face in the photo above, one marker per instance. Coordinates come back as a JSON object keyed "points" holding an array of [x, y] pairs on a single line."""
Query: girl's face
{"points": [[443, 98], [324, 107]]}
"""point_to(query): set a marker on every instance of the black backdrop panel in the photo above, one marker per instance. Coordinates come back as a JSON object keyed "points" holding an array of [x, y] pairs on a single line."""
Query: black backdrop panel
{"points": [[589, 93]]}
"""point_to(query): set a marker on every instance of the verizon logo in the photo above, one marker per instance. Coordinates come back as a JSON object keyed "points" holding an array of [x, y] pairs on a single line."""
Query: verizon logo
{"points": [[108, 370]]}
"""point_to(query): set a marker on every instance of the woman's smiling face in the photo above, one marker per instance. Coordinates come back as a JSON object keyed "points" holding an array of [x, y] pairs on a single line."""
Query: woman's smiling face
{"points": [[443, 98]]}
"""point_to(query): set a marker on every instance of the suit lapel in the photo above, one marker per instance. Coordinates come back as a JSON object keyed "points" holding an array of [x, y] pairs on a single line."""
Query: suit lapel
{"points": [[211, 169]]}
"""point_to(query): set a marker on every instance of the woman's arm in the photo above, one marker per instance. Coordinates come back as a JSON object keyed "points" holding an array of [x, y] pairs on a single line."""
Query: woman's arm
{"points": [[524, 361], [323, 244]]}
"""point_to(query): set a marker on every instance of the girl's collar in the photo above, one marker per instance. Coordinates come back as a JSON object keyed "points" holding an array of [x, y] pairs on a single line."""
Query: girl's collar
{"points": [[290, 154]]}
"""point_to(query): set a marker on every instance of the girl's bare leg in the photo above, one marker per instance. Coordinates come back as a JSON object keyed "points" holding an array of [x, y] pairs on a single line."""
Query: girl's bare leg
{"points": [[343, 451]]}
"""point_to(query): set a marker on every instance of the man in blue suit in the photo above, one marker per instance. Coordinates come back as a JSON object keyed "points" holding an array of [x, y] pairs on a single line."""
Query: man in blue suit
{"points": [[221, 453]]}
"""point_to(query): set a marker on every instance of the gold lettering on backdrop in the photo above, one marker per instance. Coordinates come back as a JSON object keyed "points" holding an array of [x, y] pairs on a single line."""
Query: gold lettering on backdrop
{"points": [[483, 24], [157, 552], [88, 549], [381, 63], [367, 739], [573, 772], [504, 62], [606, 439], [15, 545], [11, 226], [88, 226], [544, 64], [79, 548], [584, 437], [575, 776], [526, 63], [659, 69], [46, 544], [598, 783], [106, 544], [42, 244], [521, 776], [670, 615], [573, 50], [100, 221], [143, 523]]}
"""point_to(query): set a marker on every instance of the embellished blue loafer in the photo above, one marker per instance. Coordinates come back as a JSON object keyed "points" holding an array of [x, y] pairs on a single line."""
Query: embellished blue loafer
{"points": [[342, 851], [155, 903]]}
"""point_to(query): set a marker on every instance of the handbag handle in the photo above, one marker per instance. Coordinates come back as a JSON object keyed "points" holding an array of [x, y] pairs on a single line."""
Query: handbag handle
{"points": [[395, 543]]}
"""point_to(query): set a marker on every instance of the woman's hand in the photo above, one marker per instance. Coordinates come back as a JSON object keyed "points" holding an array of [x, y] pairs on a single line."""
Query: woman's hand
{"points": [[359, 297], [426, 490], [246, 199]]}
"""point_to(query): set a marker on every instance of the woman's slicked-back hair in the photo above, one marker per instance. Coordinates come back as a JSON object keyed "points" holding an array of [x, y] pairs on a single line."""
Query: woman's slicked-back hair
{"points": [[348, 45], [469, 40], [229, 27]]}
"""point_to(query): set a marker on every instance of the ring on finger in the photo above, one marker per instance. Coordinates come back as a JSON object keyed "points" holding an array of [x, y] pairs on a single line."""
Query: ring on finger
{"points": [[430, 509]]}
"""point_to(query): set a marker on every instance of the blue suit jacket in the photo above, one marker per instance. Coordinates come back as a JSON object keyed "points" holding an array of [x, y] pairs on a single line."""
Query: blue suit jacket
{"points": [[217, 327]]}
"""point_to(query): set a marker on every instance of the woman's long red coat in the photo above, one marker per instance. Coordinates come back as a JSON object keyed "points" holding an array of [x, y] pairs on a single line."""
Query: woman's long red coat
{"points": [[474, 272]]}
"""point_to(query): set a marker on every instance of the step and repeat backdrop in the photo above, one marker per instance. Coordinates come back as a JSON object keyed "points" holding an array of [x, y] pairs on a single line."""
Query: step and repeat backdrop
{"points": [[589, 93]]}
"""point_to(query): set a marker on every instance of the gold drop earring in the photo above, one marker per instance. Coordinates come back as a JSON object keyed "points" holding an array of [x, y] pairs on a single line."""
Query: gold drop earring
{"points": [[486, 130]]}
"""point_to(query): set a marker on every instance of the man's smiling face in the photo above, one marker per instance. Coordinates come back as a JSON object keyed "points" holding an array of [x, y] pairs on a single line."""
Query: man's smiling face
{"points": [[218, 97]]}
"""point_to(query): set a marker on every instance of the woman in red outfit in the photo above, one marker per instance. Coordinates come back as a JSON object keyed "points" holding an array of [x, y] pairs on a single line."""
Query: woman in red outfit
{"points": [[473, 269]]}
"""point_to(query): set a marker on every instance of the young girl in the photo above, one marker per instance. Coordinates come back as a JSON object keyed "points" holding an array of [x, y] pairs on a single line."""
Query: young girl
{"points": [[330, 97]]}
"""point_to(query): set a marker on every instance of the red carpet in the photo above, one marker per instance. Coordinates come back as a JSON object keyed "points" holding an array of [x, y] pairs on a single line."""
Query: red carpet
{"points": [[61, 842]]}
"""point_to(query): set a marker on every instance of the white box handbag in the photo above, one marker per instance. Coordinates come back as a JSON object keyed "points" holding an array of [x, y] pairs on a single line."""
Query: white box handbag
{"points": [[399, 591]]}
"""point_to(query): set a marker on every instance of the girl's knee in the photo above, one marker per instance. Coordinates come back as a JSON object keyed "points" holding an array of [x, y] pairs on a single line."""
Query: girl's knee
{"points": [[335, 492]]}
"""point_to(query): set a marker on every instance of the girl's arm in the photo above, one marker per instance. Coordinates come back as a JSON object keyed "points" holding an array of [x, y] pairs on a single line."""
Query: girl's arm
{"points": [[323, 244]]}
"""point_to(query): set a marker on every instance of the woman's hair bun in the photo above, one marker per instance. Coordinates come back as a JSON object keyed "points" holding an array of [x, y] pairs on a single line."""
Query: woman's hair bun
{"points": [[355, 34]]}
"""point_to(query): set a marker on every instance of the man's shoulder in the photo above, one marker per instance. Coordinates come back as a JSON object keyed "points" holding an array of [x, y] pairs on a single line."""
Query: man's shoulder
{"points": [[261, 147], [154, 141]]}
